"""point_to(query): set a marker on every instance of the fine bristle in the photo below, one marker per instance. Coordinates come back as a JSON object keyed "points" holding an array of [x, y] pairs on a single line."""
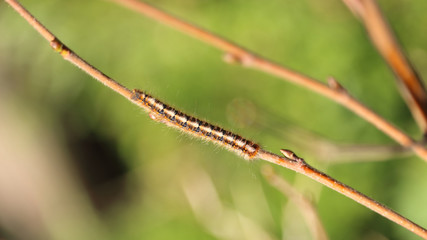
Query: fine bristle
{"points": [[172, 117]]}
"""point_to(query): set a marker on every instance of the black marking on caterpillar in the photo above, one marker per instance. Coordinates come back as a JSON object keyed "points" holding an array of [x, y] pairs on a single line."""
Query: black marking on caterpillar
{"points": [[161, 112]]}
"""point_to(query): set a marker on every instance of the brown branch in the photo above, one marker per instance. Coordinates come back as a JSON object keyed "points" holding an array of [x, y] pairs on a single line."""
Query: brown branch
{"points": [[410, 84], [235, 53], [304, 205], [291, 161], [67, 53], [246, 113], [299, 165]]}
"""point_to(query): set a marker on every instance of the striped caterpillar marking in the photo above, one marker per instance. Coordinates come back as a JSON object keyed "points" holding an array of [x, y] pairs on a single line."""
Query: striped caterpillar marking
{"points": [[172, 117]]}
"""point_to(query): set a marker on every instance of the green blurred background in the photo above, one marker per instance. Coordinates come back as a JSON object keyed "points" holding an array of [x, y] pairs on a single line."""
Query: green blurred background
{"points": [[78, 161]]}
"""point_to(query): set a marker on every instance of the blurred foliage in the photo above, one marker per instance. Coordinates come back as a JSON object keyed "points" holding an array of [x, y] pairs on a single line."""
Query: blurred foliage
{"points": [[133, 169]]}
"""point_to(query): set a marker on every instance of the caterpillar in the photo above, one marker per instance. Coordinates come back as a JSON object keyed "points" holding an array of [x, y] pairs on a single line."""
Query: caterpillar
{"points": [[161, 112]]}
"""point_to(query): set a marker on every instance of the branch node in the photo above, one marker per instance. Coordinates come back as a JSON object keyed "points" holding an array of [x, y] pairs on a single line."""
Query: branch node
{"points": [[56, 45], [335, 85], [246, 60], [292, 156], [59, 47], [231, 58]]}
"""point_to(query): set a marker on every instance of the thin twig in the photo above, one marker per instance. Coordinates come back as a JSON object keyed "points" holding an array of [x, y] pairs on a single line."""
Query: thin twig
{"points": [[410, 84], [236, 53], [246, 113], [291, 161], [299, 165], [304, 205], [67, 53]]}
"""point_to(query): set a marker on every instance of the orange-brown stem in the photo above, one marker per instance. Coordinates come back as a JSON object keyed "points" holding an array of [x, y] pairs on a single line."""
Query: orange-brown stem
{"points": [[410, 84], [236, 53], [303, 168], [293, 162]]}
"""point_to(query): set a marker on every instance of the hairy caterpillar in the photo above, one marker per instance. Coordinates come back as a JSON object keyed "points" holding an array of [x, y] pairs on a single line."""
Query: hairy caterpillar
{"points": [[172, 117], [163, 113]]}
